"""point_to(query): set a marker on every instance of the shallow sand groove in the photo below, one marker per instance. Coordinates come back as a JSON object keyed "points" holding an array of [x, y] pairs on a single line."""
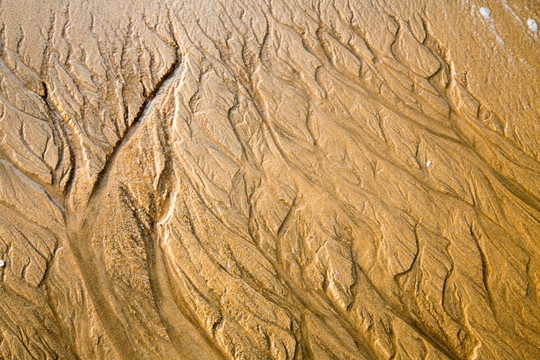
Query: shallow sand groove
{"points": [[269, 179]]}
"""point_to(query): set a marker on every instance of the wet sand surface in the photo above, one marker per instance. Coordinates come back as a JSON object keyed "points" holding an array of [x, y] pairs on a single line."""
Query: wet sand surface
{"points": [[269, 179]]}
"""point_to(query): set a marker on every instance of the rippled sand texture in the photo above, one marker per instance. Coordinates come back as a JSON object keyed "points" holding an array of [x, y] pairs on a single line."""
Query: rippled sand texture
{"points": [[244, 179]]}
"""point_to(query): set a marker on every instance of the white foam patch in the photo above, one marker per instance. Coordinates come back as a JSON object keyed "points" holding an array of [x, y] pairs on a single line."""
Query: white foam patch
{"points": [[533, 25], [485, 12]]}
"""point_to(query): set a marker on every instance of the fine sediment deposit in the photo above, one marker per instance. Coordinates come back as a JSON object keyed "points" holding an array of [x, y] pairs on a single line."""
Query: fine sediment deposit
{"points": [[269, 179]]}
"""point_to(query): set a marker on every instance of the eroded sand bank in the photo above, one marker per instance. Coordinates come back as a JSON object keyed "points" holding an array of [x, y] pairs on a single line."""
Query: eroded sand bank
{"points": [[269, 179]]}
